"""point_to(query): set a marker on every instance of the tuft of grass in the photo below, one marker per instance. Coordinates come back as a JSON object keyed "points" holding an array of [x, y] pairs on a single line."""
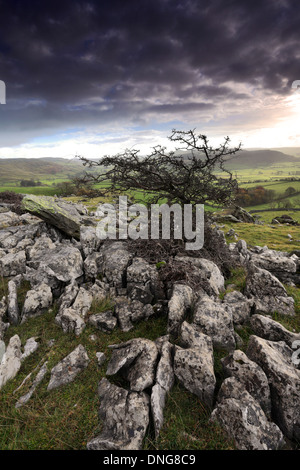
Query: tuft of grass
{"points": [[187, 426], [101, 306], [235, 281], [291, 323], [21, 293], [3, 286]]}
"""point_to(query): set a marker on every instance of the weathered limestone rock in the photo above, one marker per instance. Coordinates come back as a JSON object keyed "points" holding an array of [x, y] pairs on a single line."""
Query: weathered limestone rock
{"points": [[104, 321], [242, 249], [242, 215], [194, 367], [99, 290], [215, 320], [72, 313], [251, 376], [2, 349], [164, 382], [141, 294], [13, 264], [143, 277], [179, 304], [40, 249], [70, 321], [30, 347], [12, 237], [89, 241], [125, 417], [191, 337], [63, 263], [82, 302], [12, 303], [239, 306], [209, 271], [244, 420], [39, 377], [275, 358], [267, 293], [270, 329], [281, 264], [11, 360], [137, 361], [92, 265], [67, 370], [3, 310], [37, 301], [29, 219], [115, 259], [164, 371], [226, 218], [56, 212], [8, 219], [140, 311], [123, 313], [158, 401], [128, 311], [101, 358], [68, 296]]}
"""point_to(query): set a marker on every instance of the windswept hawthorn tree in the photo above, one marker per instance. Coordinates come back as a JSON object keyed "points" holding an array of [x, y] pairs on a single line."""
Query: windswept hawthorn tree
{"points": [[196, 176]]}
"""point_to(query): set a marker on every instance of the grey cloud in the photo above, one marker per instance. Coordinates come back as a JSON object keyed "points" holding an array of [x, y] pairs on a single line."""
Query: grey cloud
{"points": [[139, 57]]}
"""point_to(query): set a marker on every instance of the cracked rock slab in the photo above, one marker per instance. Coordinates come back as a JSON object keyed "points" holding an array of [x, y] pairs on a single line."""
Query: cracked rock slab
{"points": [[244, 420], [194, 368], [275, 358], [39, 377], [215, 320], [11, 360], [125, 418], [251, 376], [136, 359], [164, 382], [179, 304], [13, 264], [268, 293], [104, 321], [272, 330], [67, 370], [37, 301]]}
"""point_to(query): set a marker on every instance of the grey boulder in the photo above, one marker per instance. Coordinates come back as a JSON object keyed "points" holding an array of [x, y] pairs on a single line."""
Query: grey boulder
{"points": [[241, 416], [67, 370], [125, 418], [275, 358]]}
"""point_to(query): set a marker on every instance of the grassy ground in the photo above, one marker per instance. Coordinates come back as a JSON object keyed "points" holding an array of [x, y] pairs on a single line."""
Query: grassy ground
{"points": [[67, 418], [275, 237], [37, 190]]}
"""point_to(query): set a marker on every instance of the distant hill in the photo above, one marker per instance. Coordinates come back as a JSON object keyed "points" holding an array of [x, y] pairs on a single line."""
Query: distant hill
{"points": [[258, 158], [295, 151], [12, 170], [252, 158]]}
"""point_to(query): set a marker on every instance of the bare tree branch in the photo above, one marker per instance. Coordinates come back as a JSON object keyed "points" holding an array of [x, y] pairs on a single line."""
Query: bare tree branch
{"points": [[189, 177]]}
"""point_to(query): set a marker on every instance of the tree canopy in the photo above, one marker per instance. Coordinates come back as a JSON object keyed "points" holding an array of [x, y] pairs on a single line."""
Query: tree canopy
{"points": [[194, 172]]}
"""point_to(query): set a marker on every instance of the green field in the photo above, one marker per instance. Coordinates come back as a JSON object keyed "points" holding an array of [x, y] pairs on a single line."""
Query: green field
{"points": [[277, 177]]}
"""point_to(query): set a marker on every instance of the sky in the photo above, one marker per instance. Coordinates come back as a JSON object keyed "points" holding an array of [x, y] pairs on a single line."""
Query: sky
{"points": [[96, 77]]}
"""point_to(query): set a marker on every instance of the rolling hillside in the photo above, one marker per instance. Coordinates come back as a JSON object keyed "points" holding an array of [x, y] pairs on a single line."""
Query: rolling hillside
{"points": [[259, 158], [14, 170]]}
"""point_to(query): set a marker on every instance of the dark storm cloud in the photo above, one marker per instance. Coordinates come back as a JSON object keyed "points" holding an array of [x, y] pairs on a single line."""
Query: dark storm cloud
{"points": [[70, 62]]}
